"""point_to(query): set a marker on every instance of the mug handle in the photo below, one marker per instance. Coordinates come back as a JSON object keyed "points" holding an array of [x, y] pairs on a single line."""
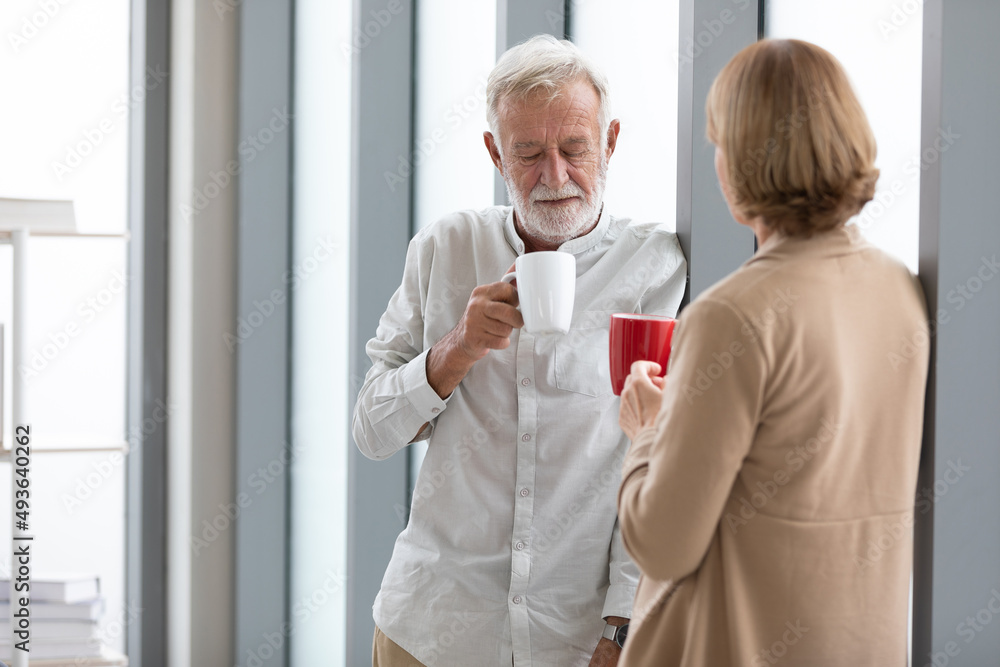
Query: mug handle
{"points": [[509, 278]]}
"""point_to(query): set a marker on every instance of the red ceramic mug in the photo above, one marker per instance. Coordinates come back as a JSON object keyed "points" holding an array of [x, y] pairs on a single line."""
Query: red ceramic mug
{"points": [[638, 337]]}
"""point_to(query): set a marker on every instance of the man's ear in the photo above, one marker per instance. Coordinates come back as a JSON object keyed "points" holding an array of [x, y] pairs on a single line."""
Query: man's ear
{"points": [[491, 146], [614, 127]]}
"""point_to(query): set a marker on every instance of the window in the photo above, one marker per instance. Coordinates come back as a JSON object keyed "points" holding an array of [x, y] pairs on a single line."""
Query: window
{"points": [[880, 46], [635, 43], [320, 385], [453, 170], [67, 65]]}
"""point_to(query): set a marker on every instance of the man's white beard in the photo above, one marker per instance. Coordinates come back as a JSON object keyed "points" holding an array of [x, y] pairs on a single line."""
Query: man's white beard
{"points": [[557, 225]]}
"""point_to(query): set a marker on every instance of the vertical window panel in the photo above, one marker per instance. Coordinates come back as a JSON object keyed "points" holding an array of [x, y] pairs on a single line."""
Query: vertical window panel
{"points": [[635, 42], [879, 43], [455, 51], [324, 48]]}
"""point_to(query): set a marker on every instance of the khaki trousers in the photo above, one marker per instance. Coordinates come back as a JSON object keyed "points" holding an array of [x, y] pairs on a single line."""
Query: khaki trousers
{"points": [[387, 653]]}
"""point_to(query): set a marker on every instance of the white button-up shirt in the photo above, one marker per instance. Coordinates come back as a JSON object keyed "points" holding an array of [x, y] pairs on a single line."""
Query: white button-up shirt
{"points": [[512, 549]]}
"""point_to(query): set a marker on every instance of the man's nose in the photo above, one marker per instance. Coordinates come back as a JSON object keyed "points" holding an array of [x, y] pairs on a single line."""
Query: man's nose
{"points": [[554, 170]]}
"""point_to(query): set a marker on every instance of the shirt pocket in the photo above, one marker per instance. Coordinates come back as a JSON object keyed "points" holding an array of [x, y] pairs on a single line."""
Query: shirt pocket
{"points": [[581, 356]]}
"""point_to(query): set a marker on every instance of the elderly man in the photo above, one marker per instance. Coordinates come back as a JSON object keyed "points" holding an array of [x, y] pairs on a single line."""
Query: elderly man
{"points": [[512, 554]]}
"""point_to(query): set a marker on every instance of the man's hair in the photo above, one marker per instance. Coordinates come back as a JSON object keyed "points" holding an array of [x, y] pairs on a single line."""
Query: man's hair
{"points": [[799, 151], [543, 65]]}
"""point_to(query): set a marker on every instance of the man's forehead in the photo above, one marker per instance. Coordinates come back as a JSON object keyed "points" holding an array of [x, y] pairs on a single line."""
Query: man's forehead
{"points": [[571, 115], [565, 140]]}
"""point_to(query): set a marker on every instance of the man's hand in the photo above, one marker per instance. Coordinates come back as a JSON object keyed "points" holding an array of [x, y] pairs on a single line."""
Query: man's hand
{"points": [[641, 398], [607, 652], [490, 317]]}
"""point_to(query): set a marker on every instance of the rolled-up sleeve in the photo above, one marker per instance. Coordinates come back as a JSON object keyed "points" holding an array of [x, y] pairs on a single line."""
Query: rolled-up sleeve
{"points": [[396, 399], [662, 298], [624, 579]]}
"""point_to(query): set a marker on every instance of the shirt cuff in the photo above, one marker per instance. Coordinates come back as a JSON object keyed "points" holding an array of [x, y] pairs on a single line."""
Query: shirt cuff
{"points": [[618, 601], [425, 401]]}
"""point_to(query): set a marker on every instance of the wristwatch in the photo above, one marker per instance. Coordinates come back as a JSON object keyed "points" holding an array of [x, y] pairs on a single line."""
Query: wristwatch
{"points": [[616, 633]]}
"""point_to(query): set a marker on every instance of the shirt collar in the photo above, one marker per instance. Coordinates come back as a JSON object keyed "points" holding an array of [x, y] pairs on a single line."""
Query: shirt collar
{"points": [[573, 246], [841, 240]]}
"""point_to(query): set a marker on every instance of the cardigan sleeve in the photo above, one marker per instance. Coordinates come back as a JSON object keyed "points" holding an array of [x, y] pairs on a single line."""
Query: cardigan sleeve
{"points": [[679, 472]]}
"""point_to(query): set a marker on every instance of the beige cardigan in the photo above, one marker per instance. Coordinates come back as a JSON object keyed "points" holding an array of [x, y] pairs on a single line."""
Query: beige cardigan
{"points": [[771, 507]]}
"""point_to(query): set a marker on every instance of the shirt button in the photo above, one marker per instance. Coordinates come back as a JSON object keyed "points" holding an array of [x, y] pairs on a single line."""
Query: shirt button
{"points": [[525, 437], [435, 410], [519, 546], [525, 382], [524, 493], [517, 599]]}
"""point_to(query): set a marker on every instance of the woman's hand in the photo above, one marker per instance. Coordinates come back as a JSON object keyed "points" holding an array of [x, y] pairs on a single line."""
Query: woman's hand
{"points": [[640, 398]]}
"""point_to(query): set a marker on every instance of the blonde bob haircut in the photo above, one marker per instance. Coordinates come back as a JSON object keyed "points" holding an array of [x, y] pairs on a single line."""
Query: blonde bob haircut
{"points": [[799, 152]]}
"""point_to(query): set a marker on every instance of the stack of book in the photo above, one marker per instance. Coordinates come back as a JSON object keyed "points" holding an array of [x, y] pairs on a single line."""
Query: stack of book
{"points": [[64, 613]]}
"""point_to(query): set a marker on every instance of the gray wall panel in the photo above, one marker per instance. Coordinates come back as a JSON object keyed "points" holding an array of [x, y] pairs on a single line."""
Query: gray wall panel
{"points": [[262, 390], [712, 241], [146, 494], [957, 560], [380, 231]]}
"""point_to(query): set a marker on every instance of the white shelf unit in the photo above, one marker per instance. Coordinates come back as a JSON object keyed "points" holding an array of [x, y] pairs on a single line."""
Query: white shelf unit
{"points": [[21, 219]]}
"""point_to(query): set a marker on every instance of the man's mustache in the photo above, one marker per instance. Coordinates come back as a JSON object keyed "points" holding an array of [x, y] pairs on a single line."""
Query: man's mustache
{"points": [[545, 193]]}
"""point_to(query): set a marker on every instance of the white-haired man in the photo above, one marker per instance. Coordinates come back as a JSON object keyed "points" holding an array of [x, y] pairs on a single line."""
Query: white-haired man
{"points": [[512, 554]]}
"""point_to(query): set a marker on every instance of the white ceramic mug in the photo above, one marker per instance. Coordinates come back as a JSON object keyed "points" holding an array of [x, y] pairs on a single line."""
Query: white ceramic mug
{"points": [[546, 286]]}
